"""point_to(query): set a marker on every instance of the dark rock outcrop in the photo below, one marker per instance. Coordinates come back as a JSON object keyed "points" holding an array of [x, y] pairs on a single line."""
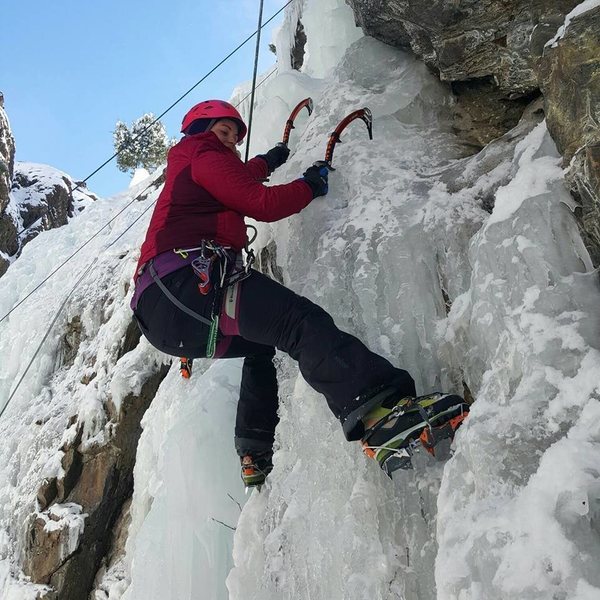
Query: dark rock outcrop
{"points": [[468, 39], [569, 75], [297, 51], [41, 198], [66, 553], [266, 262], [482, 47]]}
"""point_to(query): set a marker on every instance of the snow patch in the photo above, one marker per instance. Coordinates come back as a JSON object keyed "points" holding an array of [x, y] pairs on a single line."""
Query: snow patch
{"points": [[580, 9]]}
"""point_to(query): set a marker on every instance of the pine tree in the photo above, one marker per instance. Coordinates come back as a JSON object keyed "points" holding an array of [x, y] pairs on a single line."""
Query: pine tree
{"points": [[142, 145]]}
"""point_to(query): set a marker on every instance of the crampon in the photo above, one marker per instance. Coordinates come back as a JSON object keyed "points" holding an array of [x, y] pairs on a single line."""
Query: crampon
{"points": [[428, 422], [255, 471]]}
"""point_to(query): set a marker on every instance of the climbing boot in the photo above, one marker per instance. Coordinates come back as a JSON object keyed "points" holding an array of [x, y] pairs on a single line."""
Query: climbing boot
{"points": [[255, 469], [395, 429]]}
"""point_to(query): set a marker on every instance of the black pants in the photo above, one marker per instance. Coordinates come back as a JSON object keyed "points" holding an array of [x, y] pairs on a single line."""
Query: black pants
{"points": [[270, 316]]}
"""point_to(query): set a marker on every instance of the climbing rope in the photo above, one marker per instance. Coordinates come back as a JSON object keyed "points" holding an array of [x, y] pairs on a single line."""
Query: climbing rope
{"points": [[258, 85], [62, 306], [150, 125], [43, 282], [136, 137], [256, 55]]}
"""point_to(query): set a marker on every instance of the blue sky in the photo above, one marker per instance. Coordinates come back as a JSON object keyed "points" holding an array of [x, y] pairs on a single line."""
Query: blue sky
{"points": [[72, 69]]}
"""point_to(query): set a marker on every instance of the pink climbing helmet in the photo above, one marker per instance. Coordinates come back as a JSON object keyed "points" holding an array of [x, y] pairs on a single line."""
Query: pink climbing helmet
{"points": [[213, 110]]}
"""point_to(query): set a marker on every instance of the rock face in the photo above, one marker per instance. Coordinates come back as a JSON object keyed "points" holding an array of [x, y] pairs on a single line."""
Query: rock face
{"points": [[297, 51], [569, 75], [71, 534], [33, 197], [481, 47], [79, 522], [7, 157], [496, 57], [40, 198], [467, 39]]}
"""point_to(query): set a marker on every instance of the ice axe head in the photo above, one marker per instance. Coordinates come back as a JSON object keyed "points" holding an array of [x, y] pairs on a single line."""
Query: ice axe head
{"points": [[289, 125], [364, 114]]}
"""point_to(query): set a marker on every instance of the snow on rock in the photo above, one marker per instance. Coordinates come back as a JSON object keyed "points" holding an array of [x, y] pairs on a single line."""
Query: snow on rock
{"points": [[65, 517], [58, 371], [7, 155], [40, 198], [580, 9]]}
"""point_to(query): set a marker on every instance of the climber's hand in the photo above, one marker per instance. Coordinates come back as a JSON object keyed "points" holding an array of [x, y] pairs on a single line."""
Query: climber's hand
{"points": [[317, 177]]}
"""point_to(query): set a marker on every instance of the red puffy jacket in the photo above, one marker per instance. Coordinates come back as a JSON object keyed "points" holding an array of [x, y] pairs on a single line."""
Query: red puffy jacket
{"points": [[207, 193]]}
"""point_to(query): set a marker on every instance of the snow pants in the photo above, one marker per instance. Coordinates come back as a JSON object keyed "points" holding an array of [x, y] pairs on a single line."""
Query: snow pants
{"points": [[259, 315]]}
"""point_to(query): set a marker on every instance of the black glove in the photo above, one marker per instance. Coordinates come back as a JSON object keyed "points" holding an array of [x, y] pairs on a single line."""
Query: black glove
{"points": [[316, 177], [276, 156]]}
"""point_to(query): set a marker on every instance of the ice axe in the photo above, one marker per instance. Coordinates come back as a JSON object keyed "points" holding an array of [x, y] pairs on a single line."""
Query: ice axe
{"points": [[364, 114], [289, 124]]}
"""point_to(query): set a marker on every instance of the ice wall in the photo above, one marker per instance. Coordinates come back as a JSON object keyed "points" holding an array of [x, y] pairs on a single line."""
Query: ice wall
{"points": [[331, 525], [329, 28], [188, 493], [520, 502], [405, 253]]}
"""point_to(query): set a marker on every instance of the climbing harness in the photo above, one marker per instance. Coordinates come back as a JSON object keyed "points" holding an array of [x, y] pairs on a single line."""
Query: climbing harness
{"points": [[232, 269], [202, 266]]}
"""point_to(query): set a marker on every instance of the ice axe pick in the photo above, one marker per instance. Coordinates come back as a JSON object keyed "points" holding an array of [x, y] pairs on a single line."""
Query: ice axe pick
{"points": [[364, 114], [289, 124]]}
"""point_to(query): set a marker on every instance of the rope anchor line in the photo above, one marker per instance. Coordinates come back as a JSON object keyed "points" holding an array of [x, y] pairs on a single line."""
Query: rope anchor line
{"points": [[135, 138], [168, 109], [256, 56]]}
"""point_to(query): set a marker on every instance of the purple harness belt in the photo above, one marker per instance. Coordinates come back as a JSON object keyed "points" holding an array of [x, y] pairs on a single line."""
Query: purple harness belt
{"points": [[164, 263]]}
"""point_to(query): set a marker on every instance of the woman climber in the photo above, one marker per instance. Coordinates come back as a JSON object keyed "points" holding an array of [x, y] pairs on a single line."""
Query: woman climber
{"points": [[195, 298]]}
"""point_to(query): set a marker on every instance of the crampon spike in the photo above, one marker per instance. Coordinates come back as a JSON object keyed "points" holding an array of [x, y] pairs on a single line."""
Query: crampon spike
{"points": [[431, 436], [185, 367]]}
